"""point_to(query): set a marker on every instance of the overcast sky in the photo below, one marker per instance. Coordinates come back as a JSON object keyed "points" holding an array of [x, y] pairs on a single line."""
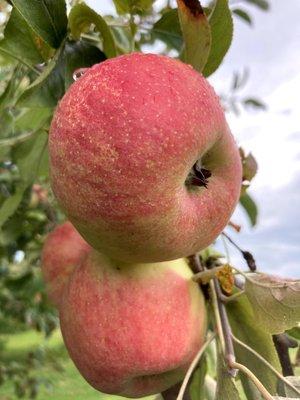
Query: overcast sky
{"points": [[271, 50]]}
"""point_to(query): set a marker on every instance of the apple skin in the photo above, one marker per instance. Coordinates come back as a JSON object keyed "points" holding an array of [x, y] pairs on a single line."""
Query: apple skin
{"points": [[132, 329], [122, 143], [63, 250]]}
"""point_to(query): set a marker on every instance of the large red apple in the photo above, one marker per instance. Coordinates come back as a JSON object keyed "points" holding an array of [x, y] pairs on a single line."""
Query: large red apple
{"points": [[132, 330], [63, 250], [132, 146]]}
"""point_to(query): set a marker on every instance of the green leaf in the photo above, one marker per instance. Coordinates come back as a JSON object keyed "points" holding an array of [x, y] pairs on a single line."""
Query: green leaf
{"points": [[31, 119], [244, 326], [294, 332], [27, 156], [80, 19], [51, 85], [243, 15], [210, 386], [197, 388], [250, 207], [47, 18], [196, 33], [47, 89], [79, 55], [239, 79], [123, 38], [19, 41], [10, 205], [255, 103], [226, 386], [133, 6], [168, 30], [8, 96], [221, 26], [262, 4], [276, 301]]}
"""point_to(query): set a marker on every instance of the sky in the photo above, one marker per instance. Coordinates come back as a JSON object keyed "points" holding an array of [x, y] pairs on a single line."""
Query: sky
{"points": [[270, 49]]}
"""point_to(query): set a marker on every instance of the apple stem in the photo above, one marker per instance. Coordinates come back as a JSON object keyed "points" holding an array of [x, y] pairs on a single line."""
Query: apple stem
{"points": [[282, 344]]}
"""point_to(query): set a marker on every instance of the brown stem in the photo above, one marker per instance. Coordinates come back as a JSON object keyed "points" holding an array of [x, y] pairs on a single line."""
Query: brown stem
{"points": [[234, 226], [230, 356], [195, 263], [282, 344]]}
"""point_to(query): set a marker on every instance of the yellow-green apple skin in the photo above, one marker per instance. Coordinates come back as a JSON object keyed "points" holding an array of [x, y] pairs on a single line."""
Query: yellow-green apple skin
{"points": [[123, 143], [132, 329], [62, 251]]}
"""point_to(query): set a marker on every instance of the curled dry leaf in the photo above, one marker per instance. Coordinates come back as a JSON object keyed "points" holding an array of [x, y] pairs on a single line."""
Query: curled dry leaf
{"points": [[226, 278], [276, 301]]}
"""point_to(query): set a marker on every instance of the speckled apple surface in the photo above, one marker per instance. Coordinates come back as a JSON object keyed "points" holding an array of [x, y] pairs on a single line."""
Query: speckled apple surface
{"points": [[132, 330], [122, 143], [63, 250]]}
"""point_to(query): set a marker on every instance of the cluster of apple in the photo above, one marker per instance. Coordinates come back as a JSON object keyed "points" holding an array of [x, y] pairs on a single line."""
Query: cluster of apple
{"points": [[146, 169]]}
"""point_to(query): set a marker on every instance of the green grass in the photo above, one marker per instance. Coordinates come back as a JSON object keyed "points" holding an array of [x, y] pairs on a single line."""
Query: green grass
{"points": [[67, 384]]}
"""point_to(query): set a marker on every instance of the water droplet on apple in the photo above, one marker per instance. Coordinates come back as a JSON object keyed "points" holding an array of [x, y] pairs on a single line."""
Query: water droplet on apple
{"points": [[78, 73]]}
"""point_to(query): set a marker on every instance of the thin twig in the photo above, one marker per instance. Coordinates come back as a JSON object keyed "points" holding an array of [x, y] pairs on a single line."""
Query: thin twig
{"points": [[205, 276], [228, 299], [264, 392], [193, 366], [215, 306], [248, 257], [195, 263], [263, 360], [254, 281], [16, 139], [226, 249]]}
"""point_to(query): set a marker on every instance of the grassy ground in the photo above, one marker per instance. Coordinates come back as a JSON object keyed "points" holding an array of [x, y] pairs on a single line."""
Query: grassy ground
{"points": [[67, 383]]}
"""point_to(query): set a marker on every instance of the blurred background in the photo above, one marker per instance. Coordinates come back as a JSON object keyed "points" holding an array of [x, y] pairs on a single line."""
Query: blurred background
{"points": [[259, 83]]}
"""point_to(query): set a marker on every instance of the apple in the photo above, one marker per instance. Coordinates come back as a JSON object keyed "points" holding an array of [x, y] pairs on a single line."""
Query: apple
{"points": [[132, 329], [142, 160], [63, 250]]}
